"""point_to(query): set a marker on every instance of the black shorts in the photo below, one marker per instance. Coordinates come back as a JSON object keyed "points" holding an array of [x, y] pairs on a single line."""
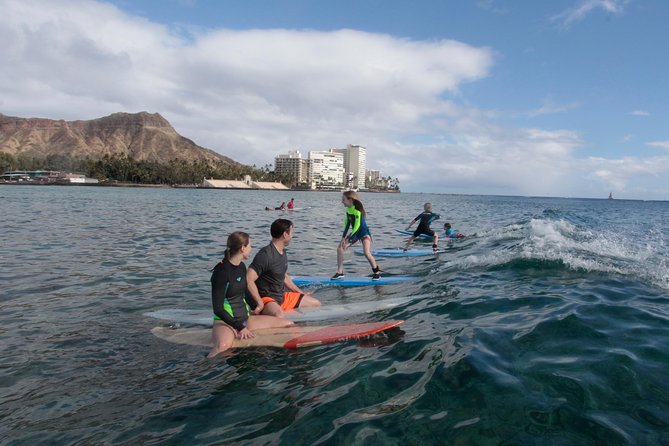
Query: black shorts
{"points": [[425, 231]]}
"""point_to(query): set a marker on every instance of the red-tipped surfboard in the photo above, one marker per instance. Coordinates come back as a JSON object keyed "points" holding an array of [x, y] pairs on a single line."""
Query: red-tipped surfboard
{"points": [[289, 337], [339, 333]]}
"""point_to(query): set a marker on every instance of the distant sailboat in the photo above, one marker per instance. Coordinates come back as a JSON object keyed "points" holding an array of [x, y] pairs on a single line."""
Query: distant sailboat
{"points": [[610, 195]]}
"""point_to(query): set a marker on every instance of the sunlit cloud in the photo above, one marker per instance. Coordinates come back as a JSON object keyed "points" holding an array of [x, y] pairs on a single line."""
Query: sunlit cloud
{"points": [[549, 108], [660, 144], [639, 113], [581, 10]]}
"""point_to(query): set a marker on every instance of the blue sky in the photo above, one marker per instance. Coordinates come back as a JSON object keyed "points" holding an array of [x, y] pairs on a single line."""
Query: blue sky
{"points": [[559, 98]]}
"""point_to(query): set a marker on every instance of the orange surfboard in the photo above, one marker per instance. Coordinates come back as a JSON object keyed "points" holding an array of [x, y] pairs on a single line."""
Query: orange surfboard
{"points": [[289, 337]]}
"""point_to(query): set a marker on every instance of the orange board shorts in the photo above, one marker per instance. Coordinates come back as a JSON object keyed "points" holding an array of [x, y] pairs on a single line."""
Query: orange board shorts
{"points": [[291, 300]]}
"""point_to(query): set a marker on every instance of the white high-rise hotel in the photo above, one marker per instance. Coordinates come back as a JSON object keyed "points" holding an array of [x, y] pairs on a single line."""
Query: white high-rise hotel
{"points": [[355, 165], [327, 168]]}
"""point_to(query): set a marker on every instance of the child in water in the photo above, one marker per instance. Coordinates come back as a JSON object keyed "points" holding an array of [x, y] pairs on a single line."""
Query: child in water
{"points": [[281, 207], [355, 220], [452, 233], [425, 218]]}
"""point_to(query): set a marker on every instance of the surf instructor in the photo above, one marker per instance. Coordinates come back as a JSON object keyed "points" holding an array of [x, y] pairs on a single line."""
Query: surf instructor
{"points": [[267, 279]]}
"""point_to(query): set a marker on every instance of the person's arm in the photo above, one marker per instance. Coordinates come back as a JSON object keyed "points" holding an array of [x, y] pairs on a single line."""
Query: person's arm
{"points": [[356, 223], [412, 222], [288, 282], [346, 226], [252, 288]]}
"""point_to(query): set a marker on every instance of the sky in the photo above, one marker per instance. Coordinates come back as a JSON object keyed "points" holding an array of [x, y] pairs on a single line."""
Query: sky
{"points": [[562, 98]]}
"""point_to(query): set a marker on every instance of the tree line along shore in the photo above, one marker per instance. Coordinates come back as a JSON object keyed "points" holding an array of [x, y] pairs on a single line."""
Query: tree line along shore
{"points": [[123, 169], [113, 170]]}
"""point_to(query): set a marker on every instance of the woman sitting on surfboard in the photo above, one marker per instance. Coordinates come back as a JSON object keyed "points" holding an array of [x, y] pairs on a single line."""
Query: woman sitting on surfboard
{"points": [[425, 218], [230, 299], [355, 220]]}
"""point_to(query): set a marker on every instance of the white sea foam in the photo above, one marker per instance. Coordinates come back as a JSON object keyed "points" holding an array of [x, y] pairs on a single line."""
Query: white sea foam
{"points": [[579, 248]]}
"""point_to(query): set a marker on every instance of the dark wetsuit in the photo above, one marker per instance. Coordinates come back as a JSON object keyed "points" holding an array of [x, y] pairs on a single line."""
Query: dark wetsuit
{"points": [[356, 221], [228, 294], [424, 220]]}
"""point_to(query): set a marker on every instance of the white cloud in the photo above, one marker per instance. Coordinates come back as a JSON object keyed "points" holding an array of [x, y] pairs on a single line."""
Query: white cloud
{"points": [[639, 113], [585, 7], [248, 94], [660, 144], [629, 174], [549, 107]]}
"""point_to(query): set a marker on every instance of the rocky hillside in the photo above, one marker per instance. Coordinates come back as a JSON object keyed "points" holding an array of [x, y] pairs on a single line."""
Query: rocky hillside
{"points": [[142, 136]]}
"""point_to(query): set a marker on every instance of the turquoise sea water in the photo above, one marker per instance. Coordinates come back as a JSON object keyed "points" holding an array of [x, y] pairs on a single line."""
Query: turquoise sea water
{"points": [[549, 327]]}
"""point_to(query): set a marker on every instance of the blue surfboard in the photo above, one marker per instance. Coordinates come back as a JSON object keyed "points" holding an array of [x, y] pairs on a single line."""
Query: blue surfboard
{"points": [[349, 281], [411, 233], [401, 253]]}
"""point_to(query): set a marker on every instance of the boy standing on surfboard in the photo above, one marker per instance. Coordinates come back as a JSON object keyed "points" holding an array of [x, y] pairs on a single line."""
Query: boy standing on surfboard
{"points": [[425, 218], [267, 279]]}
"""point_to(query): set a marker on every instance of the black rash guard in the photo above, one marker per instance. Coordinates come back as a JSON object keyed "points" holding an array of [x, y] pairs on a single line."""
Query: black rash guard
{"points": [[424, 220], [228, 294]]}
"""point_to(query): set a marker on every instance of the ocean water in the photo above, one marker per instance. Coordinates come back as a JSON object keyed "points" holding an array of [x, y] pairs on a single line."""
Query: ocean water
{"points": [[551, 326]]}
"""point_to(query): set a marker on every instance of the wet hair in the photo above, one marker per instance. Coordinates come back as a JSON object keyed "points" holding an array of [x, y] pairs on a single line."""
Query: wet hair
{"points": [[356, 201], [447, 225], [427, 207], [279, 227], [236, 241]]}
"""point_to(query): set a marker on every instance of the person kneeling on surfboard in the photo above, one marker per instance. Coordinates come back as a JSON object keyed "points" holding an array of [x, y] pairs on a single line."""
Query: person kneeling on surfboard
{"points": [[425, 218], [452, 233], [355, 220], [230, 300], [268, 282]]}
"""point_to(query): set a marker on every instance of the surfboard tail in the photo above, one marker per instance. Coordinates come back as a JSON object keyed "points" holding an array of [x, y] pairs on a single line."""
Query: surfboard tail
{"points": [[340, 333]]}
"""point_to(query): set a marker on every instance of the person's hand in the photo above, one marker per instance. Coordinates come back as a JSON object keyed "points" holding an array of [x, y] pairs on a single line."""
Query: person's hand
{"points": [[245, 333], [258, 309]]}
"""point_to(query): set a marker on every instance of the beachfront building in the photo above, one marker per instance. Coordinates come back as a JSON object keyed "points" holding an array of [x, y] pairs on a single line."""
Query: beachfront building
{"points": [[46, 176], [326, 169], [292, 165], [375, 180], [247, 183], [355, 165], [75, 178]]}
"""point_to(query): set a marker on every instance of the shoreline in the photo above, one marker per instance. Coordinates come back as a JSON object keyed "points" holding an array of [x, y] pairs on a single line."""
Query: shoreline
{"points": [[177, 186]]}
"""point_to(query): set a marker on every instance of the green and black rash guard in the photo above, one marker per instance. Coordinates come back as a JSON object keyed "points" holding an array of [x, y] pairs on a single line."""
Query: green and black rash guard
{"points": [[355, 221], [228, 294]]}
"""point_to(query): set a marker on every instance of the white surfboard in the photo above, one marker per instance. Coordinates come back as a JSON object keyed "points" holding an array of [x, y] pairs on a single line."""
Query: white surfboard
{"points": [[325, 312]]}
